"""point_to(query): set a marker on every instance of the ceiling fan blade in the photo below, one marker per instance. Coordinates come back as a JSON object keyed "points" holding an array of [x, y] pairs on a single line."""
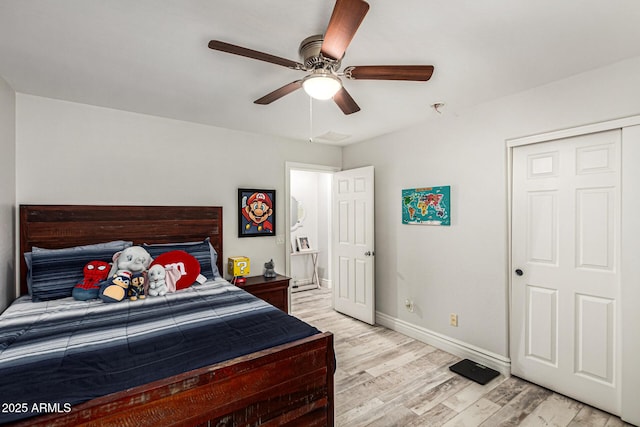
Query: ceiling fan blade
{"points": [[346, 18], [390, 72], [279, 93], [254, 54], [345, 102]]}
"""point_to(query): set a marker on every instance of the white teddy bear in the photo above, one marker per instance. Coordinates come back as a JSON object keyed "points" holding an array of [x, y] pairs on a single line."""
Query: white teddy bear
{"points": [[157, 282]]}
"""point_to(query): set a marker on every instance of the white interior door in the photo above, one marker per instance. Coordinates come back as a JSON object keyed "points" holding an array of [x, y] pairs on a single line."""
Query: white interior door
{"points": [[565, 318], [353, 243]]}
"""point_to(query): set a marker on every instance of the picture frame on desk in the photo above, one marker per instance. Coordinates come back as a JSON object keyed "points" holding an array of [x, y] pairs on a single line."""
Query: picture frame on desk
{"points": [[302, 244]]}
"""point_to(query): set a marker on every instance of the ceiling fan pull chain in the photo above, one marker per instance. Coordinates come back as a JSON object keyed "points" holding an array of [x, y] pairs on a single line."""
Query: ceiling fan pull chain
{"points": [[310, 119]]}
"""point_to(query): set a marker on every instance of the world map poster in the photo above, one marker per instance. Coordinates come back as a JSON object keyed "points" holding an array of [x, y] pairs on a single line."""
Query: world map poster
{"points": [[427, 206]]}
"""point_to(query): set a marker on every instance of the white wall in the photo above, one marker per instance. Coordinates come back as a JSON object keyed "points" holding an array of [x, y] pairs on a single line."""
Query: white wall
{"points": [[7, 192], [463, 268], [76, 153], [324, 227]]}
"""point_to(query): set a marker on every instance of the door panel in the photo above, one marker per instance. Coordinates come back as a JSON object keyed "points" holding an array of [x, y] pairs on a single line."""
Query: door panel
{"points": [[595, 228], [565, 243], [361, 280], [542, 227], [594, 334], [343, 222], [542, 325]]}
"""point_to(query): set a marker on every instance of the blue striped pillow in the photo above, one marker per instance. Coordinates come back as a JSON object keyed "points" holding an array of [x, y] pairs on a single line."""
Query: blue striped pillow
{"points": [[202, 251], [54, 272]]}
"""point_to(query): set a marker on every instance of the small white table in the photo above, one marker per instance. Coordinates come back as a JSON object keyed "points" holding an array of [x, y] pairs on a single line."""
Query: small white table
{"points": [[314, 260]]}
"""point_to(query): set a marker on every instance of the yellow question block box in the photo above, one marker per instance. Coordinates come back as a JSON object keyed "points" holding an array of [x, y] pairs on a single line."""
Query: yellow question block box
{"points": [[239, 266]]}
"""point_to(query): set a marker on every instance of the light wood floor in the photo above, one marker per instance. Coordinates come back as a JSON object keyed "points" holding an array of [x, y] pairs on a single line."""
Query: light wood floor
{"points": [[387, 379]]}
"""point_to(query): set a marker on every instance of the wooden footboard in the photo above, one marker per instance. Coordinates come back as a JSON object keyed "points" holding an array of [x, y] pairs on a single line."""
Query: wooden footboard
{"points": [[288, 385]]}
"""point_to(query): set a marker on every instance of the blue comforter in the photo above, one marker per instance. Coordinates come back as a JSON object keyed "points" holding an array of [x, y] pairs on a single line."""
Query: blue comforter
{"points": [[56, 354]]}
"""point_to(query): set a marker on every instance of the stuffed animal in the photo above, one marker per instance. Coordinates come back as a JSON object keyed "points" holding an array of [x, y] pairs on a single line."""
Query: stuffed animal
{"points": [[94, 273], [269, 272], [136, 288], [157, 282], [134, 259], [126, 264], [182, 269], [115, 289]]}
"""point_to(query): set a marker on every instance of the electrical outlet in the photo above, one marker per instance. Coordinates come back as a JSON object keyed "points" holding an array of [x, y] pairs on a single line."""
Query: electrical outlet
{"points": [[409, 305], [453, 319]]}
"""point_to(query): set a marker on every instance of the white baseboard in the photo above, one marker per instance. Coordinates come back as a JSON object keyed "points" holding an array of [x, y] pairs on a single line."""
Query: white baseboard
{"points": [[306, 284], [302, 288], [299, 285], [459, 348], [301, 282]]}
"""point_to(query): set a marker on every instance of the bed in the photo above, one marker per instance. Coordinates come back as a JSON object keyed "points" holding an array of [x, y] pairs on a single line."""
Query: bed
{"points": [[289, 383]]}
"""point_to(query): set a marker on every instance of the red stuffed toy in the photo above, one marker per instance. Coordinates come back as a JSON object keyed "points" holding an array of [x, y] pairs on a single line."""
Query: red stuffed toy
{"points": [[94, 273], [186, 264]]}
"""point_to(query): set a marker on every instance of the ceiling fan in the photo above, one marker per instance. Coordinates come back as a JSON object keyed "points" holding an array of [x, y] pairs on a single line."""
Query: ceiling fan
{"points": [[322, 56]]}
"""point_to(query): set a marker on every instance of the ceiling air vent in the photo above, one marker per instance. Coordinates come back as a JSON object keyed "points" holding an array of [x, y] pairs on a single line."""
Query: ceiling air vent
{"points": [[331, 137]]}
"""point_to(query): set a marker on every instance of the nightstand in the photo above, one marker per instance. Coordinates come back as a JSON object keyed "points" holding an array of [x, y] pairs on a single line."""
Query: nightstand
{"points": [[274, 291]]}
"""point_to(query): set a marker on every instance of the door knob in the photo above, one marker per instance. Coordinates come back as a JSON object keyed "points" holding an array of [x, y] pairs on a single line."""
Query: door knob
{"points": [[519, 272], [369, 253]]}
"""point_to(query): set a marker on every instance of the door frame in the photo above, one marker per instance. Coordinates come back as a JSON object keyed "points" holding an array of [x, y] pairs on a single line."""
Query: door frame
{"points": [[291, 166], [627, 315]]}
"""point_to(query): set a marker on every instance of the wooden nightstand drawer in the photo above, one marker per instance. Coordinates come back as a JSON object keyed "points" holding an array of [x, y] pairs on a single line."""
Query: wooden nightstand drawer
{"points": [[274, 291]]}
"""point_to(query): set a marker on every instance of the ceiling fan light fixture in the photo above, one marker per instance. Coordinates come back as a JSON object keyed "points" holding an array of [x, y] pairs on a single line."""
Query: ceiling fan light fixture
{"points": [[321, 85]]}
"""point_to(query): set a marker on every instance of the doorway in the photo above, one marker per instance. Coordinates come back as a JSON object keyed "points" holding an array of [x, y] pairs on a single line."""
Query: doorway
{"points": [[308, 225], [342, 203]]}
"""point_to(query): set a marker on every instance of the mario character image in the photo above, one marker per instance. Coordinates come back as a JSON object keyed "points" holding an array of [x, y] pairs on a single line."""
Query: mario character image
{"points": [[257, 213]]}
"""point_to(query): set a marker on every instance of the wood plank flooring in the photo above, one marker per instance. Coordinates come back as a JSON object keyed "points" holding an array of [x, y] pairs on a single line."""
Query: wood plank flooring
{"points": [[387, 379]]}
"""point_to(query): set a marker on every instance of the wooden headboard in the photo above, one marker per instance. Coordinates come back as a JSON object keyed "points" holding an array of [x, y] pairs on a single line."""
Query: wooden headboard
{"points": [[61, 226]]}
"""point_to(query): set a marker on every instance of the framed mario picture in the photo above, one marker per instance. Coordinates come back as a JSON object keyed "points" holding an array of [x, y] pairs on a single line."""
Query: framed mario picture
{"points": [[256, 212]]}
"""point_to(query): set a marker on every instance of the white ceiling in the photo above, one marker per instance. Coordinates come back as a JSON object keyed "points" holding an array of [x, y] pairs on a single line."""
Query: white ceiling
{"points": [[151, 56]]}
